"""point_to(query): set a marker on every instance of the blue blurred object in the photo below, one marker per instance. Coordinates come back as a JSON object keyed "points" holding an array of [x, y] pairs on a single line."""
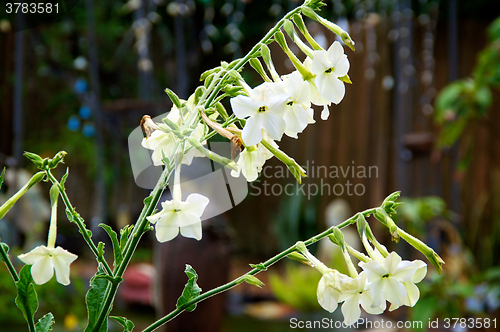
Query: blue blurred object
{"points": [[88, 130], [74, 123], [80, 85], [85, 112]]}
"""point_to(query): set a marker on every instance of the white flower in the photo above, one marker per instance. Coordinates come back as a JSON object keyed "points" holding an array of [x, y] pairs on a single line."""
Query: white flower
{"points": [[251, 160], [163, 143], [316, 97], [387, 278], [328, 66], [355, 292], [183, 215], [412, 291], [330, 288], [298, 112], [264, 109], [47, 260]]}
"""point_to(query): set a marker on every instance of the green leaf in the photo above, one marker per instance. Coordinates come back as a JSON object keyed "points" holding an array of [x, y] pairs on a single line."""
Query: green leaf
{"points": [[1, 177], [346, 79], [124, 234], [34, 158], [253, 280], [191, 290], [45, 323], [128, 326], [63, 179], [260, 266], [173, 97], [100, 250], [114, 240], [95, 299], [5, 248], [26, 299]]}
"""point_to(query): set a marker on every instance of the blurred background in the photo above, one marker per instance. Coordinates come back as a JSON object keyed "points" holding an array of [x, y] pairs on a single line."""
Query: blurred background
{"points": [[421, 114]]}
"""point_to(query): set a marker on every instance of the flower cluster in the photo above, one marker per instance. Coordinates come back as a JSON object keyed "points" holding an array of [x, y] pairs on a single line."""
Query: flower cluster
{"points": [[283, 106], [383, 279]]}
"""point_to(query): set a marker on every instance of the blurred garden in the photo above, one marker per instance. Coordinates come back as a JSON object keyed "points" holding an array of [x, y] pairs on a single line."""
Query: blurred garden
{"points": [[420, 117]]}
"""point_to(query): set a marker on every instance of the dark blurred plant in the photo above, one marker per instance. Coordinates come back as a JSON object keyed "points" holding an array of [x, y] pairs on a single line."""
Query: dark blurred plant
{"points": [[463, 103]]}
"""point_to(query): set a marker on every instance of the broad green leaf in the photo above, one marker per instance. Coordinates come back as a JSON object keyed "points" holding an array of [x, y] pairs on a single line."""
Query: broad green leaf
{"points": [[95, 299], [26, 299], [191, 290], [114, 240], [128, 326], [45, 323]]}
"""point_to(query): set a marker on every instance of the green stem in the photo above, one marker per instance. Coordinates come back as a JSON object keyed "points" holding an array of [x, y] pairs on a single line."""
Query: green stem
{"points": [[254, 271], [79, 221], [132, 243], [251, 54], [9, 265]]}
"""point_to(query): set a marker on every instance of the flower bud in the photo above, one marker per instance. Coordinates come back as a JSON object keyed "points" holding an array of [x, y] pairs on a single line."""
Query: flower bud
{"points": [[297, 171], [35, 159], [173, 97], [384, 218], [11, 201], [428, 252], [253, 280], [58, 158]]}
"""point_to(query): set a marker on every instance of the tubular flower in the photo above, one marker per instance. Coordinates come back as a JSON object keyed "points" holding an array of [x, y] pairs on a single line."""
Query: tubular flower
{"points": [[387, 278], [328, 66], [251, 160], [264, 110], [180, 215], [163, 143], [46, 260], [330, 288]]}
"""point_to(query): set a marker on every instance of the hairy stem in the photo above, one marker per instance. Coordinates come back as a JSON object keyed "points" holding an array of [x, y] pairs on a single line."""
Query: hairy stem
{"points": [[8, 263], [79, 221], [263, 267]]}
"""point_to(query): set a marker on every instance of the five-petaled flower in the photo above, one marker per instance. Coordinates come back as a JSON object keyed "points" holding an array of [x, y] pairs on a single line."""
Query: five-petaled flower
{"points": [[46, 260], [183, 215], [328, 66], [387, 278], [264, 110]]}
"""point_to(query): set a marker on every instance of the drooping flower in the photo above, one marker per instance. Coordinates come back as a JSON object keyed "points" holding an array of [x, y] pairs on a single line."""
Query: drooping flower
{"points": [[387, 278], [180, 215], [298, 112], [316, 97], [330, 288], [354, 293], [251, 160], [264, 110], [328, 66], [46, 260]]}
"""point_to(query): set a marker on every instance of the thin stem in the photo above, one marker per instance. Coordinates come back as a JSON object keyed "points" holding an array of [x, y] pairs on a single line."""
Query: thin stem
{"points": [[262, 267], [132, 242], [79, 221], [250, 54], [8, 263]]}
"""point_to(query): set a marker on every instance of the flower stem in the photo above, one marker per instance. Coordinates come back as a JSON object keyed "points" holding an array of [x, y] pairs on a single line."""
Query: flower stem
{"points": [[132, 242], [79, 221], [254, 271], [8, 263], [251, 54]]}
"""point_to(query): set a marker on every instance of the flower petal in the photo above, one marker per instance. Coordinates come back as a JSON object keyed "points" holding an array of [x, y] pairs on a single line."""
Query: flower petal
{"points": [[421, 271], [394, 291], [252, 133], [196, 204], [274, 125], [42, 270], [350, 310], [327, 296], [167, 227], [244, 106]]}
